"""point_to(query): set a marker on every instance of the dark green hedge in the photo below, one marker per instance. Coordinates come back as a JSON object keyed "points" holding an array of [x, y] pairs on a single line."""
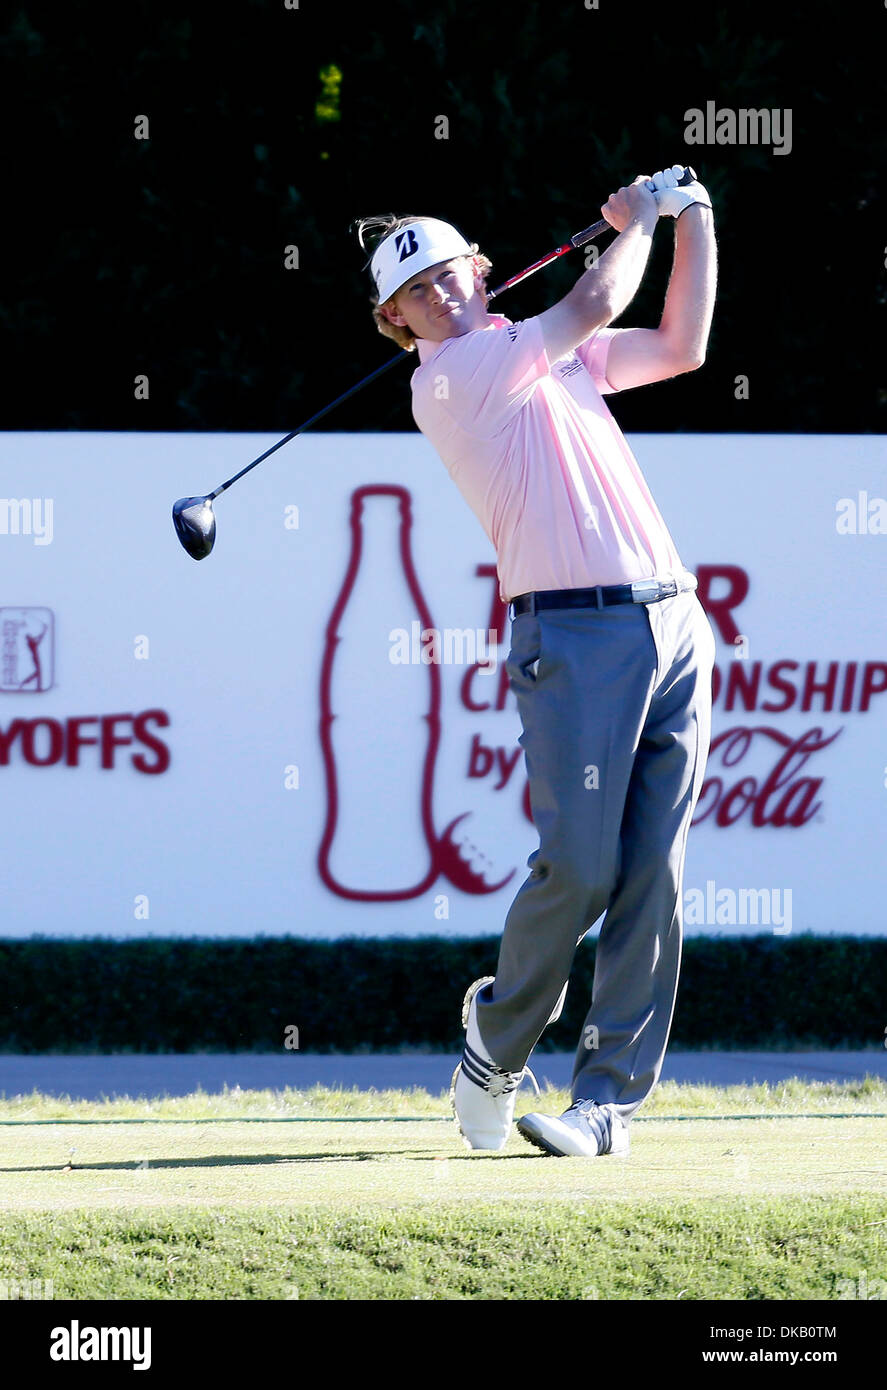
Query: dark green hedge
{"points": [[355, 994]]}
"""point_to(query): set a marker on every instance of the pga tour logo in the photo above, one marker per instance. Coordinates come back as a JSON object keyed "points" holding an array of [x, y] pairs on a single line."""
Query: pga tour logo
{"points": [[26, 649]]}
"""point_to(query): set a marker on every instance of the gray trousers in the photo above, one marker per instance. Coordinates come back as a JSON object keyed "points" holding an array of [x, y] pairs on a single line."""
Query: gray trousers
{"points": [[615, 705]]}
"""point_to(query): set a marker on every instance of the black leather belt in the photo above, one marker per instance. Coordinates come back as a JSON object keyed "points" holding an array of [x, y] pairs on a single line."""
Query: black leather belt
{"points": [[640, 591]]}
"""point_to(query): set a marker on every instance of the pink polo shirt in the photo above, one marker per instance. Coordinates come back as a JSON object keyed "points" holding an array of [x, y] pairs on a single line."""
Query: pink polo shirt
{"points": [[539, 458]]}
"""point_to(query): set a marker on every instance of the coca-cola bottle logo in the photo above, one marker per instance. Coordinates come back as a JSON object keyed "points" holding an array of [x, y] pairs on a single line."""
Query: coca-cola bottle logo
{"points": [[443, 854]]}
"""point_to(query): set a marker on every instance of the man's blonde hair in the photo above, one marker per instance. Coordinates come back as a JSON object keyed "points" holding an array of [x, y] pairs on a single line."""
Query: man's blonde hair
{"points": [[371, 232]]}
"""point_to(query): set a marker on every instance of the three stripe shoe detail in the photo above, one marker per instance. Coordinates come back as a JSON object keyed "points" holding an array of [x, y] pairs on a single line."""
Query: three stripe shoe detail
{"points": [[586, 1130], [483, 1094]]}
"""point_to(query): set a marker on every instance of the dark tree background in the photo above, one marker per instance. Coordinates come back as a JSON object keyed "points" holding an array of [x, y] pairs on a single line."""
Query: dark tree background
{"points": [[272, 127]]}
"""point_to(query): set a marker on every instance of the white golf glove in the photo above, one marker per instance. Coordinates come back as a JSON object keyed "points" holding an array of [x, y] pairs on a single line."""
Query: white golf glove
{"points": [[672, 201]]}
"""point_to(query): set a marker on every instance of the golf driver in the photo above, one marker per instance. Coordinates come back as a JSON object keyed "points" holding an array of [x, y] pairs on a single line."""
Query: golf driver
{"points": [[194, 518]]}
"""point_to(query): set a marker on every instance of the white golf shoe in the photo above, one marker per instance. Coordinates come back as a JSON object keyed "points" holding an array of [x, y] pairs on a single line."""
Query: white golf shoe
{"points": [[586, 1130], [483, 1095]]}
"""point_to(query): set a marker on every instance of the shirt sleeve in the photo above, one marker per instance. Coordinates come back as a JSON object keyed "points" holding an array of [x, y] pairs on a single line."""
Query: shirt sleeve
{"points": [[491, 374], [594, 352]]}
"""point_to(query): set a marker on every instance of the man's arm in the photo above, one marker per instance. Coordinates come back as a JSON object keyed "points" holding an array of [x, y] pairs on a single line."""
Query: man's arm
{"points": [[607, 288], [638, 356]]}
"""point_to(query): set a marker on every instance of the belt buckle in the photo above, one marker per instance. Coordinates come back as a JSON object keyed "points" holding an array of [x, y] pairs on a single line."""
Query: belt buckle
{"points": [[644, 590]]}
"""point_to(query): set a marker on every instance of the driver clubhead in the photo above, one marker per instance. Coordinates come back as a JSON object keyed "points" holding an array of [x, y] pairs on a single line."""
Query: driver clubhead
{"points": [[195, 524]]}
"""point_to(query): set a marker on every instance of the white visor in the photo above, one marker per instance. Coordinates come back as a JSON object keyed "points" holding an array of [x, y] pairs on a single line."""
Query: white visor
{"points": [[413, 249]]}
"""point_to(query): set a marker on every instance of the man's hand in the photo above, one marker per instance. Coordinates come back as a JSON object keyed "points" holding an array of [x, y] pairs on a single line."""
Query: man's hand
{"points": [[636, 201], [671, 200]]}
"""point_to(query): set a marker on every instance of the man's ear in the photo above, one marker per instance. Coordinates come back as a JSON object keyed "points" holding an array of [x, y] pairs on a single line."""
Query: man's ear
{"points": [[390, 313]]}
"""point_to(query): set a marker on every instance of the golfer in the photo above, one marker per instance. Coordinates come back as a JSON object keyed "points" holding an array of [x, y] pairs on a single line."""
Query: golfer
{"points": [[611, 651]]}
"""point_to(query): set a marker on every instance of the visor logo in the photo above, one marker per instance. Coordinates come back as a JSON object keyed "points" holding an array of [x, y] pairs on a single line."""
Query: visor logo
{"points": [[406, 244]]}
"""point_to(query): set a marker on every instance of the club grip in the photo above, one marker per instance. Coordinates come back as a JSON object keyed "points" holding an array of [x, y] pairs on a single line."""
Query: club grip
{"points": [[589, 233]]}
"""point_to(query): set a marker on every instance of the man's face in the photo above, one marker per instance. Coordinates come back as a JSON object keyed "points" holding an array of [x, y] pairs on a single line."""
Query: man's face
{"points": [[441, 302]]}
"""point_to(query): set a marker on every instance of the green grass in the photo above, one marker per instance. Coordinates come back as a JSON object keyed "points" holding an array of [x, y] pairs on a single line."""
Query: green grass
{"points": [[348, 1195], [774, 1249], [670, 1098]]}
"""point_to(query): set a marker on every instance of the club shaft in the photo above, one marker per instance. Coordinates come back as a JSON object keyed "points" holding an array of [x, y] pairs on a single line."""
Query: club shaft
{"points": [[578, 240], [314, 418], [589, 234]]}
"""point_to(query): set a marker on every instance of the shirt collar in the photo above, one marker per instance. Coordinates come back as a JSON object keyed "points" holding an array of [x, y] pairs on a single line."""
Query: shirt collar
{"points": [[427, 349]]}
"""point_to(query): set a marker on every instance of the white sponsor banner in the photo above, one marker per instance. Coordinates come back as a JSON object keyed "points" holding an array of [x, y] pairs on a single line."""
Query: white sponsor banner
{"points": [[310, 732]]}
